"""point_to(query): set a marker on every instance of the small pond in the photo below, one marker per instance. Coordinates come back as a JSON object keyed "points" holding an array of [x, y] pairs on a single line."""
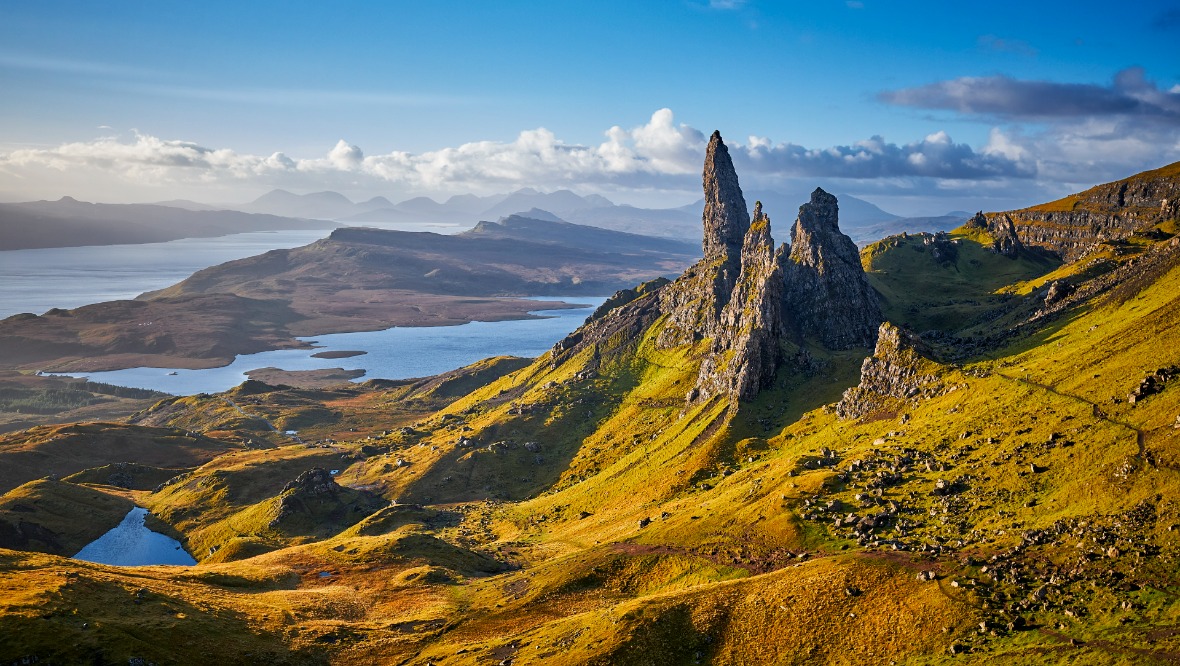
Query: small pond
{"points": [[132, 544]]}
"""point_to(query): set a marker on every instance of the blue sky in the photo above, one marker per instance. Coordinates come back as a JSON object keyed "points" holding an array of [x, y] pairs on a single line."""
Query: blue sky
{"points": [[922, 107]]}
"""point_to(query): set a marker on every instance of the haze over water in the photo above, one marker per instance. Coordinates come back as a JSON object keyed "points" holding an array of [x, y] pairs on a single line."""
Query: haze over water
{"points": [[69, 277]]}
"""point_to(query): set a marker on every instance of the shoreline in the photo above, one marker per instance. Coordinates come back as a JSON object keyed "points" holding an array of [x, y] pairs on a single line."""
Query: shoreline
{"points": [[447, 311], [394, 352]]}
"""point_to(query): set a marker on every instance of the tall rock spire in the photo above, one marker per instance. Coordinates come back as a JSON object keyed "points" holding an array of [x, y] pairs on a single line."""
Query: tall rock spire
{"points": [[746, 350], [725, 217], [745, 297], [694, 303]]}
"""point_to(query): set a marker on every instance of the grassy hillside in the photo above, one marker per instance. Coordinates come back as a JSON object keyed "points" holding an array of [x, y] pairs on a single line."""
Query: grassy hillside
{"points": [[960, 292], [61, 450], [1004, 492], [57, 517]]}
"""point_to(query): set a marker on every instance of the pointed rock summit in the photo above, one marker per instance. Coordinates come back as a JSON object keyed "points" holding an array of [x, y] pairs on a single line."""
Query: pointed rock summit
{"points": [[745, 301], [725, 217], [827, 295], [695, 301]]}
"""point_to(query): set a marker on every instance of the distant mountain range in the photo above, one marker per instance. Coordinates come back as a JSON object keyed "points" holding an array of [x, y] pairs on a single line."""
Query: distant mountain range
{"points": [[68, 222], [862, 219]]}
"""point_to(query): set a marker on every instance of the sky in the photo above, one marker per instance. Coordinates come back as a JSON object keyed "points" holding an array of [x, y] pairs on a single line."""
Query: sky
{"points": [[920, 107]]}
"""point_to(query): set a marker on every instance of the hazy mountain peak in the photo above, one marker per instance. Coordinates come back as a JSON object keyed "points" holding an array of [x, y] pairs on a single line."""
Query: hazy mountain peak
{"points": [[328, 196], [534, 214]]}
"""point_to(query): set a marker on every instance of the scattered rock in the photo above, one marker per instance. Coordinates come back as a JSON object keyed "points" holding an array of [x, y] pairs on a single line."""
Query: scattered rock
{"points": [[1058, 290], [1152, 384]]}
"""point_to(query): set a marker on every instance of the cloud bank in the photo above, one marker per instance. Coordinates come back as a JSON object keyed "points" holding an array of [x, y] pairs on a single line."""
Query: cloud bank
{"points": [[660, 154], [1044, 137], [1130, 94], [1077, 134]]}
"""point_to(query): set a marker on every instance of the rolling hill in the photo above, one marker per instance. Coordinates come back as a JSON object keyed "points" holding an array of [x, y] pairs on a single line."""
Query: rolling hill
{"points": [[946, 448]]}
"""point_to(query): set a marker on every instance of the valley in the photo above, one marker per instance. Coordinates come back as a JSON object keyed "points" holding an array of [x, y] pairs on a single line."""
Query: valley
{"points": [[950, 447]]}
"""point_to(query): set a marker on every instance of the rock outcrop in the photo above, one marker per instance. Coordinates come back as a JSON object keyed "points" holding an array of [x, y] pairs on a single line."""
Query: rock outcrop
{"points": [[744, 357], [745, 297], [1070, 227], [315, 481], [625, 296], [827, 295], [314, 502], [899, 371], [606, 331]]}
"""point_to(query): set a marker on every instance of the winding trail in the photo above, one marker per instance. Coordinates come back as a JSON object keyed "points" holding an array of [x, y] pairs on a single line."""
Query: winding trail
{"points": [[1140, 436]]}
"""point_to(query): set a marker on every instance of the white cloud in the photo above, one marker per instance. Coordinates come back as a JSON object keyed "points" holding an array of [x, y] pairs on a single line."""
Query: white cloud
{"points": [[641, 156], [935, 157], [658, 156], [345, 156], [999, 143]]}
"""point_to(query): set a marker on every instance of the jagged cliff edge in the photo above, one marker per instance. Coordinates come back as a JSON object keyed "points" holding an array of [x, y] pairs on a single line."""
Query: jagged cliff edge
{"points": [[745, 300]]}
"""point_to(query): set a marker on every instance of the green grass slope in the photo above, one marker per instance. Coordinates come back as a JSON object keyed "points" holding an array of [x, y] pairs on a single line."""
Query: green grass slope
{"points": [[57, 517], [1020, 508]]}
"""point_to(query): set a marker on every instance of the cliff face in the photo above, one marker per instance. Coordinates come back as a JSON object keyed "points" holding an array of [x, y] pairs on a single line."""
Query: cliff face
{"points": [[1071, 226], [827, 295], [745, 351]]}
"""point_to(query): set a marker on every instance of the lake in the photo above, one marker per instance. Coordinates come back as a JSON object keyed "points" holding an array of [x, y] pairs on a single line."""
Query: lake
{"points": [[394, 353], [69, 277], [132, 544]]}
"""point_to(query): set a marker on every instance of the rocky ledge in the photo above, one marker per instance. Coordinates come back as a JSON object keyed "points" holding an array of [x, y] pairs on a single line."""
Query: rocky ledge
{"points": [[1071, 227], [898, 372]]}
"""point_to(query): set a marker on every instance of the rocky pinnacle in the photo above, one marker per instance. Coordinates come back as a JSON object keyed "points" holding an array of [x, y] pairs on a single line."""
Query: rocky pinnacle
{"points": [[827, 295], [749, 299], [694, 302], [745, 353], [725, 217]]}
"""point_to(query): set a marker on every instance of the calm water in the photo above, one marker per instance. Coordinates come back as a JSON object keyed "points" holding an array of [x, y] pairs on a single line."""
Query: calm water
{"points": [[68, 277], [394, 353], [132, 544]]}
